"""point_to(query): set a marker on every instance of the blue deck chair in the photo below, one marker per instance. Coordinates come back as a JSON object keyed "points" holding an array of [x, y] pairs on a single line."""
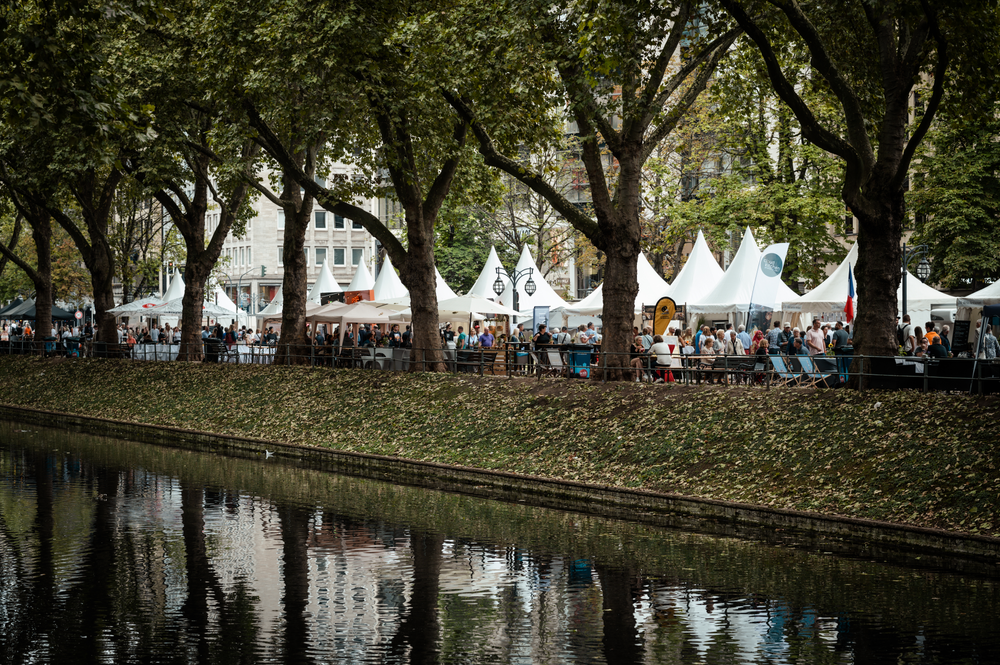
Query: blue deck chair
{"points": [[812, 373], [787, 376]]}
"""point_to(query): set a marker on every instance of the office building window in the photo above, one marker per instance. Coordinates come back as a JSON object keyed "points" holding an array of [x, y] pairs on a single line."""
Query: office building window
{"points": [[241, 257], [357, 256], [356, 225], [249, 260], [320, 220], [281, 255], [338, 256], [338, 222], [281, 219], [320, 255], [306, 250]]}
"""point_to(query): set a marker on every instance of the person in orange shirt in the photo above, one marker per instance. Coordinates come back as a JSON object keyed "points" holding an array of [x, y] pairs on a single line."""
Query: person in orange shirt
{"points": [[931, 334]]}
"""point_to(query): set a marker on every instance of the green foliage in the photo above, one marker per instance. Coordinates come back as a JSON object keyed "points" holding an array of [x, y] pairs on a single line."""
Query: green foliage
{"points": [[956, 199]]}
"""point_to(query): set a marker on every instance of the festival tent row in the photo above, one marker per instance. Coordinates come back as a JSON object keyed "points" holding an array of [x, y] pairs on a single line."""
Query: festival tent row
{"points": [[25, 309], [989, 295], [831, 294]]}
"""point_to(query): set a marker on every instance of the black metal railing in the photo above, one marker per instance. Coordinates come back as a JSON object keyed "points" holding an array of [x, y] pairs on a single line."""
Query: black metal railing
{"points": [[581, 362]]}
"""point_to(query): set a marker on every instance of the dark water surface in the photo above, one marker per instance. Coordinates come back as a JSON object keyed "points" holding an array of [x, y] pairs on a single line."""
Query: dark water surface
{"points": [[119, 552]]}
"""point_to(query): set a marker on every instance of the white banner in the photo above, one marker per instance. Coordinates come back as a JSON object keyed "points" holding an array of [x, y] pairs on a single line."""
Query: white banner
{"points": [[765, 285]]}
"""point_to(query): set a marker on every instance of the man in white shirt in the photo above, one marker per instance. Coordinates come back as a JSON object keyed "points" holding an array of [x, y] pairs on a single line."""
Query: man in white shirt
{"points": [[815, 340], [154, 334]]}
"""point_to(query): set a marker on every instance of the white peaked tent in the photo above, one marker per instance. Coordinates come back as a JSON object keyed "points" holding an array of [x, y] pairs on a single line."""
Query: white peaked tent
{"points": [[223, 301], [274, 307], [732, 293], [698, 277], [544, 294], [483, 287], [176, 288], [831, 295], [990, 295], [363, 280], [325, 283], [444, 292], [388, 286], [652, 287]]}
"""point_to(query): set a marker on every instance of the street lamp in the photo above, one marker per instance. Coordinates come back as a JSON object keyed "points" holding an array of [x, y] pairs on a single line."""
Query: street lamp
{"points": [[923, 268], [529, 286]]}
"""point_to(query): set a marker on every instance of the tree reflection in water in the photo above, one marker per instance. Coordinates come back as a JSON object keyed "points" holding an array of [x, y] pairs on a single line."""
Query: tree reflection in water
{"points": [[117, 552]]}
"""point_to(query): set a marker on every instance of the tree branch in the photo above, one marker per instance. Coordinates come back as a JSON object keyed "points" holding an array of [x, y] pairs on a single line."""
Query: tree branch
{"points": [[530, 178]]}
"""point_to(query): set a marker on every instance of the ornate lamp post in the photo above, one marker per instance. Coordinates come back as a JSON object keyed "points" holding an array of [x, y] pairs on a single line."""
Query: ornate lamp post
{"points": [[529, 286], [923, 267]]}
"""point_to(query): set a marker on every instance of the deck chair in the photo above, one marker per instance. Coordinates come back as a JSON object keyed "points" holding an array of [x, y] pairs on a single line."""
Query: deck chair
{"points": [[786, 377], [813, 376], [556, 364]]}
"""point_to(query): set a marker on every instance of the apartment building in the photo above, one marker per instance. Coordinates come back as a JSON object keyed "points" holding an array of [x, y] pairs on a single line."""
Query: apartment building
{"points": [[250, 268]]}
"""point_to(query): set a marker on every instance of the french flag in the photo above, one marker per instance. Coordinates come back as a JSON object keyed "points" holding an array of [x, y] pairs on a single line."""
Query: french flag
{"points": [[849, 307]]}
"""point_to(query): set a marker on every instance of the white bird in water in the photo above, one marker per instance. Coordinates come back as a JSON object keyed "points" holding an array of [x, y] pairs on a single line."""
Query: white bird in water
{"points": [[268, 454]]}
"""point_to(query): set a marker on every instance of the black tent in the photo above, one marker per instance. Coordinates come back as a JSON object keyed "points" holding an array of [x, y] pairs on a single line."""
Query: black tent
{"points": [[13, 305], [27, 311]]}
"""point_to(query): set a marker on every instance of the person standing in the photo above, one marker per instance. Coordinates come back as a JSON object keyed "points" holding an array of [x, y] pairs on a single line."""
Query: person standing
{"points": [[744, 336], [774, 338], [486, 339], [815, 341], [909, 339]]}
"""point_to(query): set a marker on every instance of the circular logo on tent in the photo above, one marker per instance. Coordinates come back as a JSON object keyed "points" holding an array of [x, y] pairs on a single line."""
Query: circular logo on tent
{"points": [[771, 265]]}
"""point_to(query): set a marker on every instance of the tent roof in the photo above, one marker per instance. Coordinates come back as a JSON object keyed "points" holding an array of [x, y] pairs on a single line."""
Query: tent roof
{"points": [[274, 307], [699, 275], [544, 294], [17, 302], [988, 295], [652, 287], [920, 295], [831, 295], [443, 290], [363, 280], [325, 283], [222, 300], [140, 305], [484, 283], [388, 285], [176, 288], [733, 292]]}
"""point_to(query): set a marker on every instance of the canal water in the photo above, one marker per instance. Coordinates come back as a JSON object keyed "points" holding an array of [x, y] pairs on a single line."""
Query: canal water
{"points": [[119, 552]]}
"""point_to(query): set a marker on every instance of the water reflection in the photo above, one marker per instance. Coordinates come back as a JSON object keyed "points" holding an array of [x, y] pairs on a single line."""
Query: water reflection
{"points": [[120, 552]]}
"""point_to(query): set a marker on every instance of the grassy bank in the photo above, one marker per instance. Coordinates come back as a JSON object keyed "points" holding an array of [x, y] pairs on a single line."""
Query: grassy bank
{"points": [[928, 460]]}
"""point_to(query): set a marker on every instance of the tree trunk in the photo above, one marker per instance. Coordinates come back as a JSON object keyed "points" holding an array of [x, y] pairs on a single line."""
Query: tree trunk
{"points": [[41, 233], [621, 233], [419, 277], [293, 347], [877, 275], [102, 270], [195, 274]]}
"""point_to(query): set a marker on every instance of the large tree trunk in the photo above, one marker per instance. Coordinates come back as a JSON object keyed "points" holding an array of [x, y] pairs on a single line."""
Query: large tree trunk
{"points": [[877, 274], [419, 277], [293, 347], [102, 270], [195, 275], [41, 233], [621, 232]]}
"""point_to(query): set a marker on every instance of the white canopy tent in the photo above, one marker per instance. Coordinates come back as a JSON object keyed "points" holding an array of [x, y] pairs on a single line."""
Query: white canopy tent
{"points": [[223, 301], [699, 275], [989, 295], [362, 281], [176, 288], [443, 292], [325, 283], [140, 306], [733, 292], [831, 294], [273, 308], [388, 286], [543, 295], [487, 276], [175, 307]]}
